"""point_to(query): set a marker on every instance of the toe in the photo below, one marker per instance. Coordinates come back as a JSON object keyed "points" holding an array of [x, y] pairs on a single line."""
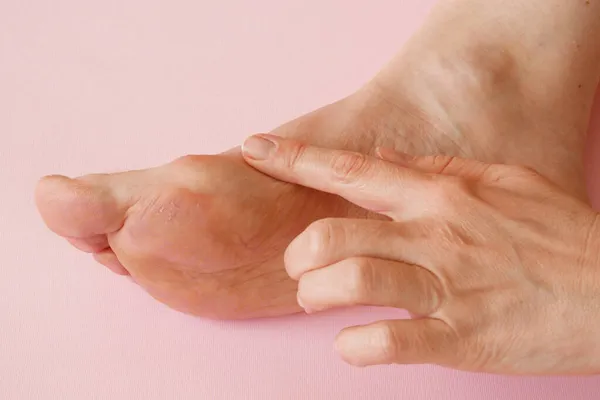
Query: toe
{"points": [[81, 208], [109, 259], [92, 244]]}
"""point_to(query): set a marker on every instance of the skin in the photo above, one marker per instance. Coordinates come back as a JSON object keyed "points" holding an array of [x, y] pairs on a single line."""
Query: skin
{"points": [[468, 247], [205, 234]]}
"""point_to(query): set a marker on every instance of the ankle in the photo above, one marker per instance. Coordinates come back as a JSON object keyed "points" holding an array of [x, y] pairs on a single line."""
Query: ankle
{"points": [[543, 50], [484, 98], [557, 38]]}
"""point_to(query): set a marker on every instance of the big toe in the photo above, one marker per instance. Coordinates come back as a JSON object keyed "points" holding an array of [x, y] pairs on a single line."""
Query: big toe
{"points": [[82, 207]]}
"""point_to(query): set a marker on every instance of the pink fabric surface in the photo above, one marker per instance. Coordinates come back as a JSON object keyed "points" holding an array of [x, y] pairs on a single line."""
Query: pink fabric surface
{"points": [[108, 85]]}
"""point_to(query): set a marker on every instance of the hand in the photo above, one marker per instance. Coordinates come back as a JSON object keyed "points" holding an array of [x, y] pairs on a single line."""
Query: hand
{"points": [[501, 266]]}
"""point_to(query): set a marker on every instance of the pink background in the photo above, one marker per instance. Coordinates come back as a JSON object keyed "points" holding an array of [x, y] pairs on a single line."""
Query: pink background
{"points": [[94, 85]]}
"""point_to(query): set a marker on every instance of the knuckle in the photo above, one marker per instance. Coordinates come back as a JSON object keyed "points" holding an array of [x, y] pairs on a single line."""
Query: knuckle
{"points": [[443, 163], [361, 279], [322, 235], [348, 166], [293, 154], [187, 168], [432, 295], [388, 341], [188, 160], [448, 194]]}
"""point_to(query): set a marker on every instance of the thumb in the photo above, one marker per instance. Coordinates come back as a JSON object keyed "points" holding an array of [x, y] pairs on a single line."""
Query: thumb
{"points": [[442, 165]]}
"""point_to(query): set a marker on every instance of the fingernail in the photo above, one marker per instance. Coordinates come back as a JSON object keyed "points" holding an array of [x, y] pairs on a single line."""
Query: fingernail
{"points": [[258, 147], [394, 156]]}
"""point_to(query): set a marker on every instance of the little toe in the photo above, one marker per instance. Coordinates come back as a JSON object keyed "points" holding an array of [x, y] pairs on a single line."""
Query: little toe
{"points": [[109, 259], [92, 244]]}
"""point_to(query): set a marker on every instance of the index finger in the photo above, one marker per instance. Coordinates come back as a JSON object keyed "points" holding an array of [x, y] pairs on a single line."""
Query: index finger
{"points": [[368, 182]]}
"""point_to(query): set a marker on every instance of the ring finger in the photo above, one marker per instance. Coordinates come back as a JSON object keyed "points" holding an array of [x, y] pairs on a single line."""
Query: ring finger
{"points": [[373, 282]]}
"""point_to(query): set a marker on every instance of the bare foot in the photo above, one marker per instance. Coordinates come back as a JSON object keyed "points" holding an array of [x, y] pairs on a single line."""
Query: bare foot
{"points": [[206, 234]]}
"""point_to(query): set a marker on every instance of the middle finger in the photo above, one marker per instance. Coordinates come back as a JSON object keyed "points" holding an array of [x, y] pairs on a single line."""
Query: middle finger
{"points": [[330, 240]]}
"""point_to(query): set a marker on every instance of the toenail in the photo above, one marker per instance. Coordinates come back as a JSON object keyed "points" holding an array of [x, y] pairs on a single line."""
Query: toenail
{"points": [[258, 148]]}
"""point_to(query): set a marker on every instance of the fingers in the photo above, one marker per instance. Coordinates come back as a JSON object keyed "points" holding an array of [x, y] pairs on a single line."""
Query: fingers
{"points": [[330, 240], [372, 282], [368, 182], [422, 341]]}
